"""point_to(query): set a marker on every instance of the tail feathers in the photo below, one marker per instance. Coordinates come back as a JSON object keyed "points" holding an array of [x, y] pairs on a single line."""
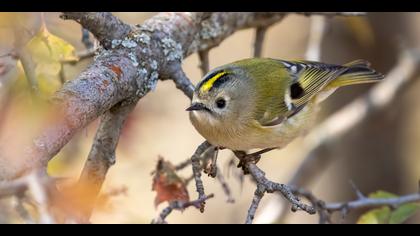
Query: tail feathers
{"points": [[358, 72]]}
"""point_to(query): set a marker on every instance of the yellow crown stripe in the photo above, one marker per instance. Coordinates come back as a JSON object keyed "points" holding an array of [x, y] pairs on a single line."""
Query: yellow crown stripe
{"points": [[209, 83]]}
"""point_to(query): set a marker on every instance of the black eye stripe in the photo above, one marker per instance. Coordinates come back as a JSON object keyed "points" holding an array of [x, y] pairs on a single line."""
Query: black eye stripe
{"points": [[296, 91]]}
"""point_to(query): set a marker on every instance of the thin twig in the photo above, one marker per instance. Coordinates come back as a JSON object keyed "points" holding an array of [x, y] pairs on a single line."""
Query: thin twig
{"points": [[264, 185], [183, 164], [177, 205], [10, 188], [373, 202], [62, 74], [326, 209], [204, 61], [210, 161], [40, 196], [86, 39], [195, 161], [260, 33], [317, 31], [23, 213], [359, 193], [225, 187], [89, 53]]}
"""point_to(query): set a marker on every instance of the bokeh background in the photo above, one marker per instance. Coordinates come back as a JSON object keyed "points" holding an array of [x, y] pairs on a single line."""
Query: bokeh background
{"points": [[382, 153]]}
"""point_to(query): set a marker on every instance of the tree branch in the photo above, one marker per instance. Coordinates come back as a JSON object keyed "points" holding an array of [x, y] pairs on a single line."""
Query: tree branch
{"points": [[11, 188], [264, 185], [195, 161], [326, 209], [373, 202], [103, 25], [317, 31], [333, 13], [177, 205], [204, 61], [260, 33], [102, 154], [225, 187], [175, 72], [37, 185]]}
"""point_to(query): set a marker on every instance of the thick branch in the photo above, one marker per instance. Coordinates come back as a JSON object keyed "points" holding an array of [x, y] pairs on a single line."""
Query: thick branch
{"points": [[102, 154], [175, 72], [78, 103], [103, 25]]}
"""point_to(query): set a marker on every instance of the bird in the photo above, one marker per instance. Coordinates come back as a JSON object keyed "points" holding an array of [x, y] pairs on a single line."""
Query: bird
{"points": [[265, 103]]}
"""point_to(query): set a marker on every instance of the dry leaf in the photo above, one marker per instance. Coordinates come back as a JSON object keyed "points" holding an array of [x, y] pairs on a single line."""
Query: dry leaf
{"points": [[167, 184]]}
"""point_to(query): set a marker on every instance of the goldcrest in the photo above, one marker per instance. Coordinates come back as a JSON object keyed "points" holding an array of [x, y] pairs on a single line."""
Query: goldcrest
{"points": [[266, 103]]}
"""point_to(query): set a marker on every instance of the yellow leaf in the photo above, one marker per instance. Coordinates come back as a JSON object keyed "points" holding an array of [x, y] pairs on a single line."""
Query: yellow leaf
{"points": [[47, 52], [47, 47], [375, 216], [382, 194]]}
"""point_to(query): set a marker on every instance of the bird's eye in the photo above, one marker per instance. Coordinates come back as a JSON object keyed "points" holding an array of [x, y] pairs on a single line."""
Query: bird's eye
{"points": [[220, 103]]}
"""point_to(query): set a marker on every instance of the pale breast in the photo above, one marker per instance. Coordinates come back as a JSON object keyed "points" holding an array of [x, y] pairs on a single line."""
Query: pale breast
{"points": [[238, 136]]}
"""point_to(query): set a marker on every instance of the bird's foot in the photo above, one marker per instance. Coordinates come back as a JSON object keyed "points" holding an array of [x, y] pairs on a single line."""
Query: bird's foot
{"points": [[245, 158]]}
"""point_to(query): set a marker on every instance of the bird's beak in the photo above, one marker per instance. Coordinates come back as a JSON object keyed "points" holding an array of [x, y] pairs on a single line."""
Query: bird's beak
{"points": [[197, 107]]}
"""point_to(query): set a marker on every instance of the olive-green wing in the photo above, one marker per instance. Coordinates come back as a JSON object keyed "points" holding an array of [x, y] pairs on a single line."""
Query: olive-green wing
{"points": [[309, 78]]}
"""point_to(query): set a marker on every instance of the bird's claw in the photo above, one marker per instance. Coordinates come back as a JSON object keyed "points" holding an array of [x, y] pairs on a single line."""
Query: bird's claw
{"points": [[244, 159]]}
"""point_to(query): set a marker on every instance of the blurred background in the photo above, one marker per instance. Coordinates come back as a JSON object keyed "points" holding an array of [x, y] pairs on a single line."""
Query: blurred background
{"points": [[382, 153]]}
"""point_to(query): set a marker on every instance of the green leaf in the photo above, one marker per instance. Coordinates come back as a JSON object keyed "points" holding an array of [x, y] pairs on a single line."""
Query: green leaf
{"points": [[403, 212], [375, 216], [385, 215], [382, 194]]}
